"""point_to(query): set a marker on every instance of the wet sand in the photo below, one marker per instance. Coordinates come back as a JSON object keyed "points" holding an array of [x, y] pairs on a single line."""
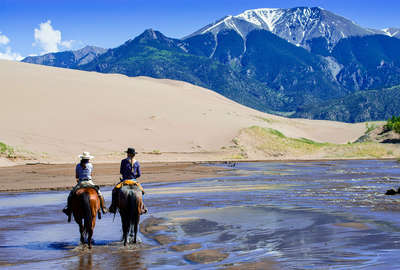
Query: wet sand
{"points": [[37, 177]]}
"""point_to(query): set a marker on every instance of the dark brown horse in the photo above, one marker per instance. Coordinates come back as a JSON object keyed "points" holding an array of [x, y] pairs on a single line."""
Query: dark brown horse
{"points": [[85, 204], [129, 205]]}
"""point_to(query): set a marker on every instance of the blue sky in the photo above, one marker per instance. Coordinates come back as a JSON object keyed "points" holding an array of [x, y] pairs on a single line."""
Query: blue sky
{"points": [[109, 23]]}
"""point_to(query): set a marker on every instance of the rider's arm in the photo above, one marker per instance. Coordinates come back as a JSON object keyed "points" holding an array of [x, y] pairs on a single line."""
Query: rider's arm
{"points": [[121, 169], [138, 172], [77, 174], [92, 171]]}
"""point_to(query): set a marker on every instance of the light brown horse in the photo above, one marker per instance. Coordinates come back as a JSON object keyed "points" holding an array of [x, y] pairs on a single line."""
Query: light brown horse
{"points": [[129, 203], [85, 204]]}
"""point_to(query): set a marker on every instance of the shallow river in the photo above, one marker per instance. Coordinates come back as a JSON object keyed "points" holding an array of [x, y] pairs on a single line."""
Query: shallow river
{"points": [[303, 215]]}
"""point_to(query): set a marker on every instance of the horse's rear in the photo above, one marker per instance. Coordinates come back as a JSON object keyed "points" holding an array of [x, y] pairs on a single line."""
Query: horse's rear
{"points": [[85, 206], [130, 204]]}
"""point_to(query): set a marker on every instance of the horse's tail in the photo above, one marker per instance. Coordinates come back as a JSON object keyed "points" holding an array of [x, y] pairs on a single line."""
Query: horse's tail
{"points": [[87, 212], [133, 210]]}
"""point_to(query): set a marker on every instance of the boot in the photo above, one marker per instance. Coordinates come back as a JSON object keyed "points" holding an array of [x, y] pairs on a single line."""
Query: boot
{"points": [[143, 210], [113, 206], [67, 211], [103, 204]]}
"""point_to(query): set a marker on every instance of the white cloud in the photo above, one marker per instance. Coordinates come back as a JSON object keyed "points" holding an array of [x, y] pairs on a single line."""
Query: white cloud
{"points": [[4, 39], [49, 39], [9, 55], [67, 44]]}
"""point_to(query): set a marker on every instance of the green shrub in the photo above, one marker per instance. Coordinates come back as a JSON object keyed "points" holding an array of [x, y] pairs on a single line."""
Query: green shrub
{"points": [[6, 150], [276, 133], [393, 124]]}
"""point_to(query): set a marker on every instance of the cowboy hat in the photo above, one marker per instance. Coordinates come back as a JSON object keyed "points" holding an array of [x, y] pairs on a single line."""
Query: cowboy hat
{"points": [[86, 155], [131, 151]]}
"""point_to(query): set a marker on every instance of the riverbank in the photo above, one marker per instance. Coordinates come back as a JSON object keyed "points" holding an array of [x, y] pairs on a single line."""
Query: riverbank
{"points": [[44, 177], [37, 177]]}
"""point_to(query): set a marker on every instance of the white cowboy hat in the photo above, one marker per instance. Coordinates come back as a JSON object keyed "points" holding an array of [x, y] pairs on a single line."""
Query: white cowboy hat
{"points": [[86, 155]]}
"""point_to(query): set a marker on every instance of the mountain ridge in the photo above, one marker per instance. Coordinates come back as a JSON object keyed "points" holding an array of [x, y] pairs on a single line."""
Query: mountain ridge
{"points": [[67, 59], [311, 22]]}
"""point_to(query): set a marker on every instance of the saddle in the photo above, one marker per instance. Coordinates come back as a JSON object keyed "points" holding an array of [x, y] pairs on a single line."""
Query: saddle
{"points": [[86, 185], [127, 183]]}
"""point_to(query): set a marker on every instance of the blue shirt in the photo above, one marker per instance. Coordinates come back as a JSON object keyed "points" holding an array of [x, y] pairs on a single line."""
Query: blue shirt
{"points": [[127, 171], [82, 173]]}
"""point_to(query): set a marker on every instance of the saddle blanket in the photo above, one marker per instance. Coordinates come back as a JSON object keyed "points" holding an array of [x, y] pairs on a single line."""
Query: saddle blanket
{"points": [[127, 183], [86, 185]]}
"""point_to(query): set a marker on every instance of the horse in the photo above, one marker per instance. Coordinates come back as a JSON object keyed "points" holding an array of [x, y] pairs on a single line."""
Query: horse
{"points": [[85, 205], [129, 203]]}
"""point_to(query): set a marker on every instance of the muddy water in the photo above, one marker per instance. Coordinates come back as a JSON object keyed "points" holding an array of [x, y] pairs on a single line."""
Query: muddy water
{"points": [[304, 215]]}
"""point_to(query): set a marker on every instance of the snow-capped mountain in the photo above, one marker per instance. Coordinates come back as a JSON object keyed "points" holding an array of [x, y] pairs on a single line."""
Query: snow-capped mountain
{"points": [[296, 25], [392, 32]]}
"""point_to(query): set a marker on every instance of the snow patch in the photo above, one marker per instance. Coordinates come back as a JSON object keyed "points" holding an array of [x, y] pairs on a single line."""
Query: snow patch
{"points": [[333, 66]]}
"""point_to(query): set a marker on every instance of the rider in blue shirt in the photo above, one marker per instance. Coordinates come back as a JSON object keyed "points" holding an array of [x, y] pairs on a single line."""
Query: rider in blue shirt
{"points": [[130, 170], [83, 174]]}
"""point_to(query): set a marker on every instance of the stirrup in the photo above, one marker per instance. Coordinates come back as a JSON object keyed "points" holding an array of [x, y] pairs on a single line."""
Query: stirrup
{"points": [[112, 209], [67, 211]]}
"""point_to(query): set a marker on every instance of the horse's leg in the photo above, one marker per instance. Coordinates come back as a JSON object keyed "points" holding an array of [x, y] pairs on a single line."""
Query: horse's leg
{"points": [[81, 230], [95, 205], [135, 228], [90, 231], [125, 227], [126, 232]]}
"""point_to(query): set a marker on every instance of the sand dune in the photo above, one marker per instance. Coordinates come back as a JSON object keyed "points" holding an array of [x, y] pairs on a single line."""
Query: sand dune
{"points": [[53, 114]]}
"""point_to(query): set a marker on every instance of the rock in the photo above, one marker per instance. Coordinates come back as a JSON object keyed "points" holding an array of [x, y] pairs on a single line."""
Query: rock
{"points": [[263, 265], [181, 248], [206, 256], [155, 229], [152, 225], [163, 239], [391, 192], [353, 225]]}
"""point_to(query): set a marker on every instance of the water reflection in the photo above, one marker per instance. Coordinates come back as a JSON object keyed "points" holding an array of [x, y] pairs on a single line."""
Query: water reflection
{"points": [[85, 262]]}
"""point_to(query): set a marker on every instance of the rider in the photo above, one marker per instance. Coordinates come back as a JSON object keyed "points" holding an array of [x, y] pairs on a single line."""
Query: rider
{"points": [[130, 170], [83, 174]]}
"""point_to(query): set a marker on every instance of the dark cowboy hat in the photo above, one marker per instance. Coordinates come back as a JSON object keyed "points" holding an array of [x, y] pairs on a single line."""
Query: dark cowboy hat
{"points": [[131, 151]]}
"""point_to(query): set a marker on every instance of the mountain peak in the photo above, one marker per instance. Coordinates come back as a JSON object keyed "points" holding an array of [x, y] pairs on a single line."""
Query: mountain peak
{"points": [[392, 32], [297, 25], [151, 34]]}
